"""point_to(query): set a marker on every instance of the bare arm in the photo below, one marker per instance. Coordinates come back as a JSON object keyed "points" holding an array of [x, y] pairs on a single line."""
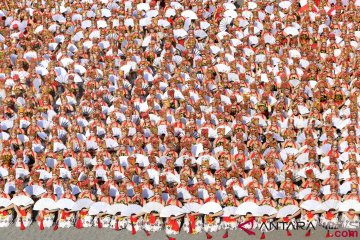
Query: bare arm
{"points": [[271, 217], [6, 5], [7, 208], [51, 211], [177, 217], [216, 214]]}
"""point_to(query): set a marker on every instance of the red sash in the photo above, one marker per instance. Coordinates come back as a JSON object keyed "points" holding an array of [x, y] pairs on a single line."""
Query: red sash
{"points": [[22, 212], [4, 213], [152, 219], [174, 224], [228, 219], [65, 215], [209, 220], [192, 222], [83, 213], [329, 216], [133, 219]]}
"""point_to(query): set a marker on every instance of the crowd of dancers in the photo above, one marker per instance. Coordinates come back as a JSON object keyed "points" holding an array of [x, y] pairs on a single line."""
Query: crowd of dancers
{"points": [[191, 116]]}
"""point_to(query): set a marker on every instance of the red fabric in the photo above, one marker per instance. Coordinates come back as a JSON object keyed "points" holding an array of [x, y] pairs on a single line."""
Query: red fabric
{"points": [[174, 224], [192, 223], [181, 42], [286, 219], [218, 13], [41, 227], [117, 225], [133, 220], [64, 215], [83, 212], [99, 223], [329, 216], [22, 226], [328, 234], [228, 219], [152, 219], [170, 20], [310, 214], [4, 213], [79, 224], [304, 8], [22, 212], [133, 231]]}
